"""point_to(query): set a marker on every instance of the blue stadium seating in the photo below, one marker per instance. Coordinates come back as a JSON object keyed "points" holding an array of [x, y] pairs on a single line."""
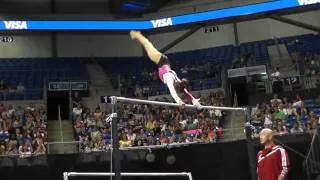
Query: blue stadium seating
{"points": [[135, 65], [33, 72], [4, 136], [223, 55]]}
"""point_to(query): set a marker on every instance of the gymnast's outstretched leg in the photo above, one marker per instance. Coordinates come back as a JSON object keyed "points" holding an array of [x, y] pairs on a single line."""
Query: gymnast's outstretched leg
{"points": [[152, 52]]}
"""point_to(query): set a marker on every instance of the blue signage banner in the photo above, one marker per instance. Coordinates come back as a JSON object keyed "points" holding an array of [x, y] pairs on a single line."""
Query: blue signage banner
{"points": [[11, 25]]}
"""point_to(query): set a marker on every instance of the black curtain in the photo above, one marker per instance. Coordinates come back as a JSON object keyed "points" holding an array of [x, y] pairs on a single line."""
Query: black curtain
{"points": [[239, 86], [53, 100]]}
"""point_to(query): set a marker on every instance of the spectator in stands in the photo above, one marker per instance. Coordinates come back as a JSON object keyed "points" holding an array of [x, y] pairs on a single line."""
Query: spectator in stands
{"points": [[16, 123], [275, 101], [124, 141], [3, 86], [40, 148], [250, 60], [145, 75], [20, 88], [258, 118], [302, 112], [138, 91], [145, 91], [77, 111], [131, 135], [76, 99], [11, 110], [184, 71], [79, 125], [31, 107], [307, 58], [25, 149], [84, 142], [296, 129], [277, 83], [280, 129], [312, 121], [3, 148], [12, 148], [3, 126], [279, 113], [98, 114], [297, 101], [254, 110], [208, 69], [268, 119]]}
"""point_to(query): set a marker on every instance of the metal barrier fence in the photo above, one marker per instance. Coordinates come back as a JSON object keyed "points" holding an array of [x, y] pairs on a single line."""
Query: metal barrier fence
{"points": [[63, 147]]}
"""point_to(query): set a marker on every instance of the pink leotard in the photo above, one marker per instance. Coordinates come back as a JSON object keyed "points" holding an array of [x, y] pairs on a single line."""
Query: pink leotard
{"points": [[162, 70], [166, 69]]}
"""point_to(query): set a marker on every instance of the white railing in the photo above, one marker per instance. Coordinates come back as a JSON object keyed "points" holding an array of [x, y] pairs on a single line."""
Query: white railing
{"points": [[72, 174]]}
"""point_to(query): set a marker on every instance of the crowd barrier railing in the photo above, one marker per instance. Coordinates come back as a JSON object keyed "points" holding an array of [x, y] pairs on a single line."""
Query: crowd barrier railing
{"points": [[228, 135], [64, 147]]}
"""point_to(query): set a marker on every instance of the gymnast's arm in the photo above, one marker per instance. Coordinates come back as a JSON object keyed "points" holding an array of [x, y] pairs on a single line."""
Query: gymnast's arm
{"points": [[169, 82], [188, 94], [191, 98]]}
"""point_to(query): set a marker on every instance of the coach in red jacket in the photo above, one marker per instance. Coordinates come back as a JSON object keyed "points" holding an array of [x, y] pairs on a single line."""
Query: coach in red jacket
{"points": [[273, 162]]}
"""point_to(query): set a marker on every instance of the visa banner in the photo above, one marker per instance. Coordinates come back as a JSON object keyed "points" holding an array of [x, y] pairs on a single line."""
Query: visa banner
{"points": [[307, 2], [14, 25], [11, 25]]}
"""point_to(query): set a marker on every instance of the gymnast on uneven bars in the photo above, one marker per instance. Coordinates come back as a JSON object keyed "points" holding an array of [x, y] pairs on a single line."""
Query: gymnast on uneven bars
{"points": [[166, 74]]}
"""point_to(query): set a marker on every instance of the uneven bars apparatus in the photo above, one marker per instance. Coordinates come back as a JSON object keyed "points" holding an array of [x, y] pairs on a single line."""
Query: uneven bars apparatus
{"points": [[113, 101], [67, 174]]}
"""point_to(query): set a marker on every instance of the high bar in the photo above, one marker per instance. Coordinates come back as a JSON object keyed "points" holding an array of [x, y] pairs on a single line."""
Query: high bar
{"points": [[141, 101]]}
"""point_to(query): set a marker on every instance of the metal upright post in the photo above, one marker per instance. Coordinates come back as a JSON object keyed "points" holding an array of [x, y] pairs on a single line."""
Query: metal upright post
{"points": [[115, 140], [70, 103]]}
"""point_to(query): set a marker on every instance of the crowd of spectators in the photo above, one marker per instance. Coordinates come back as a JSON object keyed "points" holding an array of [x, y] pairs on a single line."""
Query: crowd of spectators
{"points": [[286, 116], [312, 64], [23, 130], [5, 88], [142, 125], [12, 91], [245, 60]]}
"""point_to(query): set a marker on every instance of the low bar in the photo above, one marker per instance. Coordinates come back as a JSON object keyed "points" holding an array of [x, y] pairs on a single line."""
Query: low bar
{"points": [[67, 174], [140, 101]]}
